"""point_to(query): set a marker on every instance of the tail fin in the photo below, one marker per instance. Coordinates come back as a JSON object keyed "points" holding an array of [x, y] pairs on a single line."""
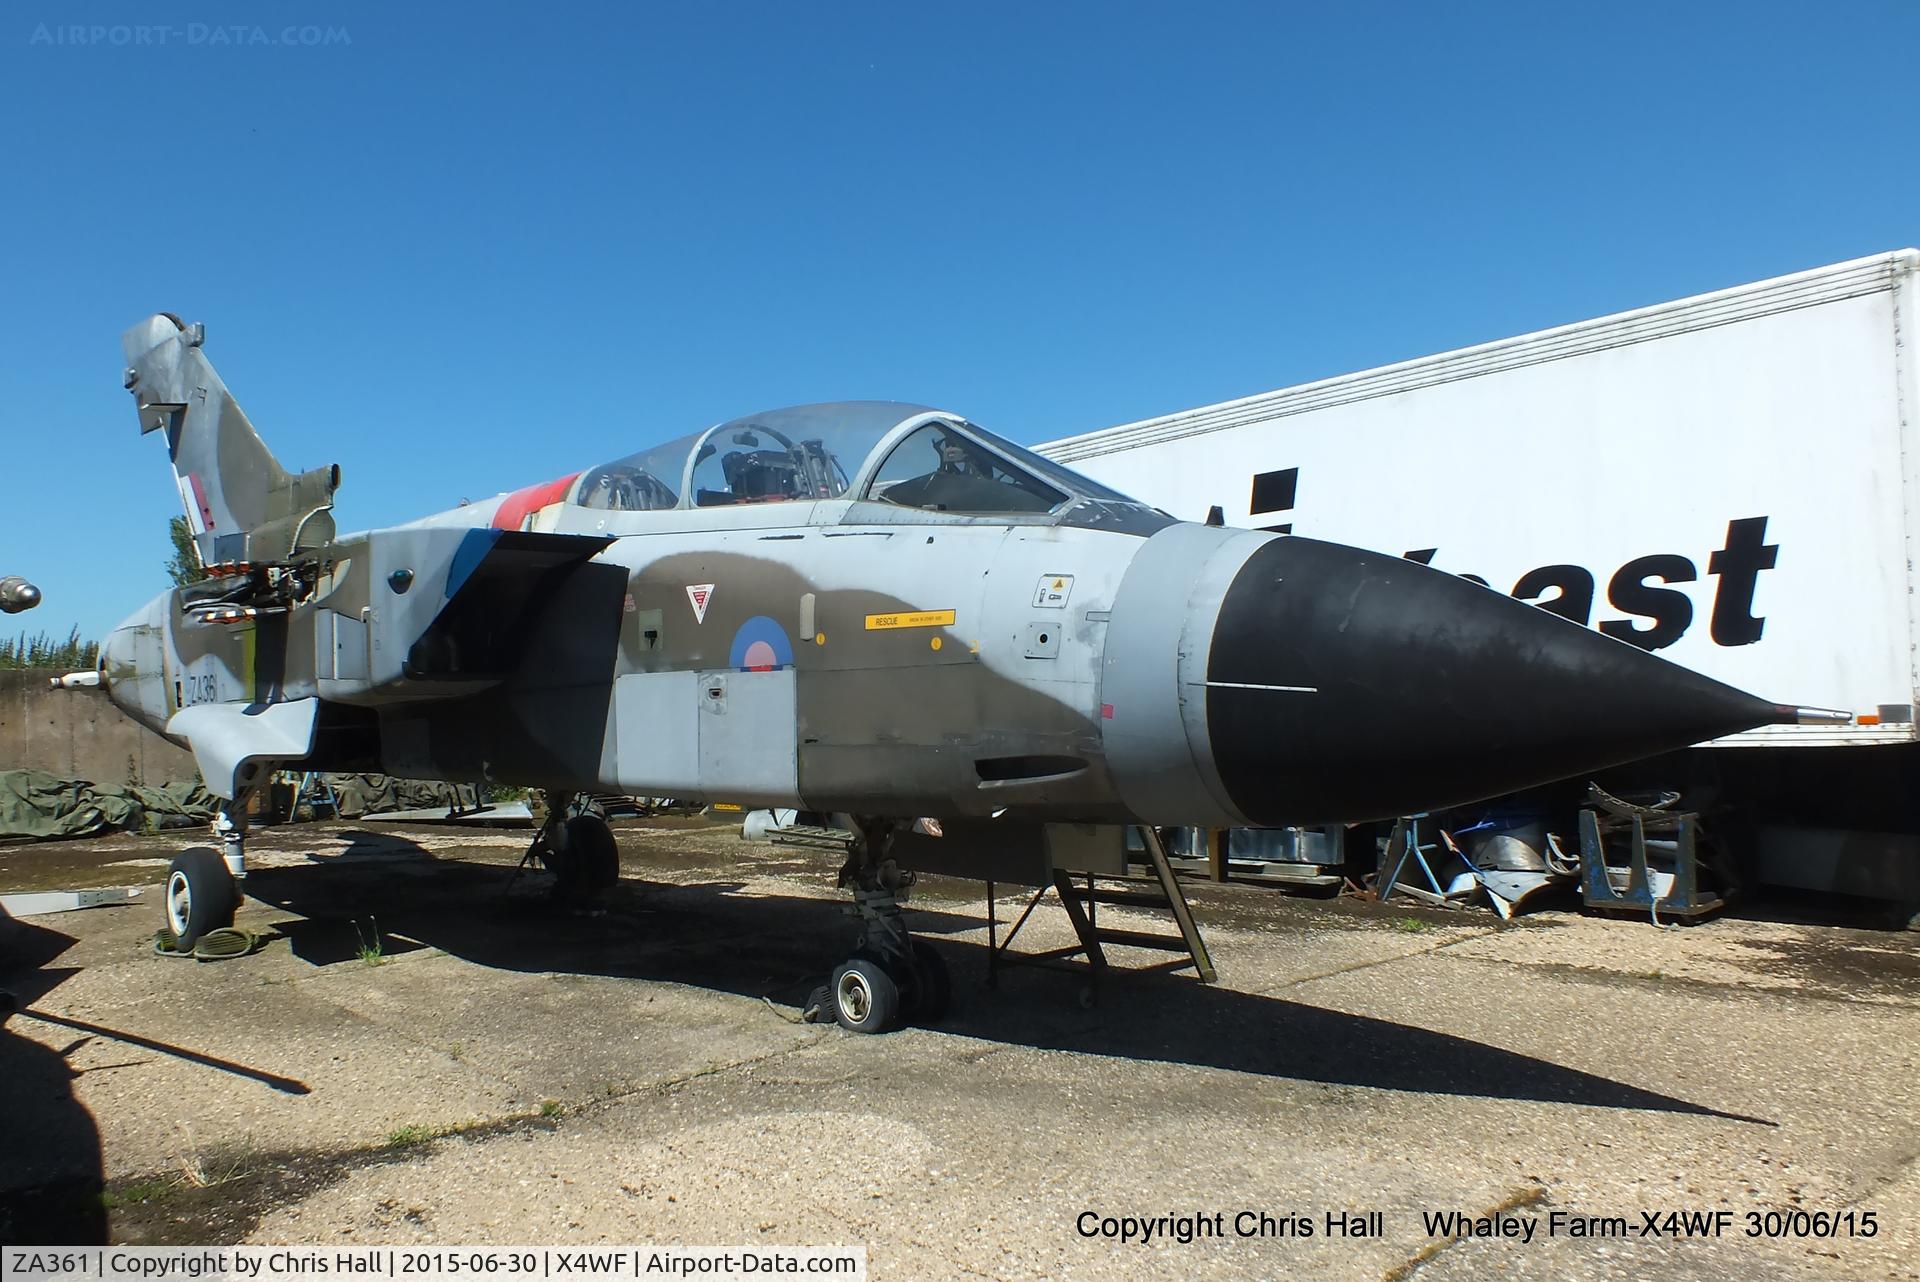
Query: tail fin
{"points": [[241, 504]]}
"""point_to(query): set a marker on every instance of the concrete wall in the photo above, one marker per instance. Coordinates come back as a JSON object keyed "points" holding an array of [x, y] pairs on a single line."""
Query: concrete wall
{"points": [[79, 734]]}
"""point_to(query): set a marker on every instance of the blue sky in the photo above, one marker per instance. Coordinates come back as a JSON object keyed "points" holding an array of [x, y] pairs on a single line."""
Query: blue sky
{"points": [[460, 253]]}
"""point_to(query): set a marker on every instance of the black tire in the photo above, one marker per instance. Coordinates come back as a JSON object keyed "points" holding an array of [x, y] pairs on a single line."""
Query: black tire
{"points": [[200, 895], [935, 984], [865, 997], [592, 838], [589, 859]]}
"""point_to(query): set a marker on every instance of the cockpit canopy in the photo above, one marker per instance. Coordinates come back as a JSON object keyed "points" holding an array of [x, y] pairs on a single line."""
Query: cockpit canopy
{"points": [[884, 451]]}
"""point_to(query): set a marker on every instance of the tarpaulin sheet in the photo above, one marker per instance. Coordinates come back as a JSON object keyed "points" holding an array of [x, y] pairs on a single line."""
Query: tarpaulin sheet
{"points": [[368, 794], [34, 803]]}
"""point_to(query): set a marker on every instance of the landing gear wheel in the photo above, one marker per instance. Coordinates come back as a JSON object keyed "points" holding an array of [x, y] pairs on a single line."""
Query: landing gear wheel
{"points": [[591, 839], [934, 985], [865, 998], [201, 895], [819, 1007], [588, 860]]}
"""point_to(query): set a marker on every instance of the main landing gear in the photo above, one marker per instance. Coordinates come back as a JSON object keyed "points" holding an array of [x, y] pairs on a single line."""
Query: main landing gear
{"points": [[577, 846], [204, 884], [891, 977]]}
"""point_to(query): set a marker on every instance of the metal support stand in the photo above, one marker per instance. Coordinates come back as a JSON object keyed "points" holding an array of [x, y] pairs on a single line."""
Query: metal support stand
{"points": [[1679, 896], [315, 791], [1082, 904], [1403, 848]]}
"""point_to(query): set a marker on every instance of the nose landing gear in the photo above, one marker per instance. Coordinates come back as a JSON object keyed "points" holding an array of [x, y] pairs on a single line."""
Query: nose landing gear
{"points": [[203, 884], [577, 846], [891, 977], [201, 896]]}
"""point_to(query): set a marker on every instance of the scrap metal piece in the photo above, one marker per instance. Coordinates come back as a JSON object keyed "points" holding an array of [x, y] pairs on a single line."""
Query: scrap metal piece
{"points": [[39, 903], [1639, 887]]}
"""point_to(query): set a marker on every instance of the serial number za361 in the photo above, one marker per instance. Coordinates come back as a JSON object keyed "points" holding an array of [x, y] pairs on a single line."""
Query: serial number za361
{"points": [[197, 688], [1766, 1224], [522, 1262], [47, 1262]]}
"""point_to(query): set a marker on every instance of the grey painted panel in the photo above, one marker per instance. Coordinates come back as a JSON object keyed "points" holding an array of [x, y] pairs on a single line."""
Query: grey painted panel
{"points": [[1162, 623], [656, 727], [747, 736], [231, 746], [348, 645]]}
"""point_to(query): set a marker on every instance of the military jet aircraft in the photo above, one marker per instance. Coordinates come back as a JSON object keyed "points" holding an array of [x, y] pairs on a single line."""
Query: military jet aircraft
{"points": [[869, 608], [16, 594]]}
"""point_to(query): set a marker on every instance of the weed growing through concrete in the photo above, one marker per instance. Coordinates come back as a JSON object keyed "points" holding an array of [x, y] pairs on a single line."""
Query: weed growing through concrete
{"points": [[1412, 925], [552, 1108], [372, 951], [197, 1172], [420, 1132], [138, 1192]]}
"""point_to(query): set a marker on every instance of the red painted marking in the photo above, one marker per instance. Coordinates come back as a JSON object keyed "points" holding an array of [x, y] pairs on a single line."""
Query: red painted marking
{"points": [[1106, 712], [200, 500], [519, 505]]}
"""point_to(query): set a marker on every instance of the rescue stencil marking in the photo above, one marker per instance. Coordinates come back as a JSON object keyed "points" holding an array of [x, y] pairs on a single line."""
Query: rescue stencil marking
{"points": [[916, 619], [698, 594]]}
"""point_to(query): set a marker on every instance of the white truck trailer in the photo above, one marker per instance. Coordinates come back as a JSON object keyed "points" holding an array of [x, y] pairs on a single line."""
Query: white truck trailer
{"points": [[1732, 480]]}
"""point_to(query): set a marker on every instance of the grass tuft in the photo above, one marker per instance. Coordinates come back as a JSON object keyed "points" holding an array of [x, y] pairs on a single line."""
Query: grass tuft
{"points": [[138, 1192], [372, 951]]}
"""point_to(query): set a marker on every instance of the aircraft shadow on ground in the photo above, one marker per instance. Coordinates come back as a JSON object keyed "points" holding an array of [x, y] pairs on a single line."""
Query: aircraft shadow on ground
{"points": [[715, 936], [50, 1161]]}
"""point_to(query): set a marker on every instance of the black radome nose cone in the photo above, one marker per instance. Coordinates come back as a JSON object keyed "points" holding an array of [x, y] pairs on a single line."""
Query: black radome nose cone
{"points": [[1345, 685]]}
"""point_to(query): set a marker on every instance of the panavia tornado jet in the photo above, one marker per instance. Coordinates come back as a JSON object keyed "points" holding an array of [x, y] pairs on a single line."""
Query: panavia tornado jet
{"points": [[882, 610]]}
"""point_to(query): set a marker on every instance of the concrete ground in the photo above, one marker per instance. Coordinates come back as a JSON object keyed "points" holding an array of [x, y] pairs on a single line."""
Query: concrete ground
{"points": [[422, 1053]]}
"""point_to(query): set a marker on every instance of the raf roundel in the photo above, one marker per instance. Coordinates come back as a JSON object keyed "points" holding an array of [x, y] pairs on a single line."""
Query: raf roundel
{"points": [[761, 645]]}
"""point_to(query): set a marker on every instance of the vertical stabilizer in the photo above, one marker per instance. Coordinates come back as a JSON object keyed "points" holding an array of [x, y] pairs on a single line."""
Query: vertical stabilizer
{"points": [[240, 503]]}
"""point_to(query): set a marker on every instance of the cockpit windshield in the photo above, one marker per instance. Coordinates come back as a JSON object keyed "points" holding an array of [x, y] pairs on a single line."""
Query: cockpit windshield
{"points": [[807, 452], [931, 460]]}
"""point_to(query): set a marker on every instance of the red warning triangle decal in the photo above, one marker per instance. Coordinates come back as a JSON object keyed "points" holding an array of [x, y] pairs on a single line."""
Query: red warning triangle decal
{"points": [[698, 594]]}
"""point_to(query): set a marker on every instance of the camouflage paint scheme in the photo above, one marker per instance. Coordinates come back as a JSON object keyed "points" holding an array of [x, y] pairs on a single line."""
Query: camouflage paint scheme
{"points": [[616, 680], [1057, 661]]}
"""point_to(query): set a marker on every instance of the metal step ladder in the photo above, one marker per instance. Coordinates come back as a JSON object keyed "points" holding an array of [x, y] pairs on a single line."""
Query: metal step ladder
{"points": [[1160, 891], [813, 837]]}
